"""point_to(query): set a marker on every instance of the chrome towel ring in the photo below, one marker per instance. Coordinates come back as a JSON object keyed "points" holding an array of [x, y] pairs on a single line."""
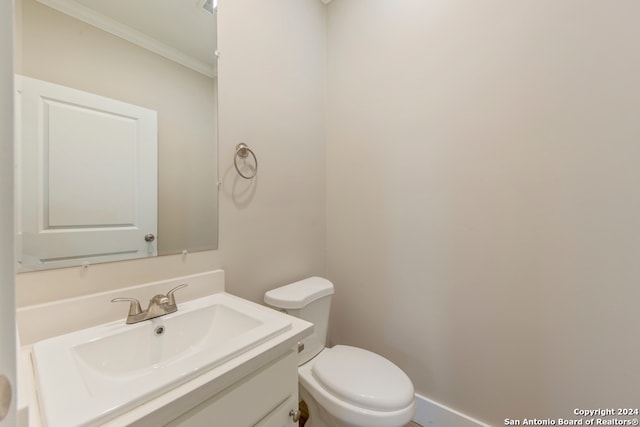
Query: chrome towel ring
{"points": [[243, 151]]}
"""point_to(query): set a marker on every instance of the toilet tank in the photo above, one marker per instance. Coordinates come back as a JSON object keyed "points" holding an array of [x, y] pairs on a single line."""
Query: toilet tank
{"points": [[310, 300]]}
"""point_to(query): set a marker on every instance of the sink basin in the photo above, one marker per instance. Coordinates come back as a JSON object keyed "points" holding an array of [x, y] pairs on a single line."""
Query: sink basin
{"points": [[95, 374]]}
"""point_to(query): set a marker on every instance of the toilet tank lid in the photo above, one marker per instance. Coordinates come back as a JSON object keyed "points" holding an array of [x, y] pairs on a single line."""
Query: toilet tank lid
{"points": [[299, 294]]}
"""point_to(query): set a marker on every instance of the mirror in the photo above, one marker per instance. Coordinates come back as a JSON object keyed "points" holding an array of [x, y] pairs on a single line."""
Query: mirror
{"points": [[159, 56]]}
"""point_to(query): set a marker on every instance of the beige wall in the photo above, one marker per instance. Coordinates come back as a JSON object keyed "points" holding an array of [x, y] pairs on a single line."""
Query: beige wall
{"points": [[272, 97], [271, 230], [483, 198]]}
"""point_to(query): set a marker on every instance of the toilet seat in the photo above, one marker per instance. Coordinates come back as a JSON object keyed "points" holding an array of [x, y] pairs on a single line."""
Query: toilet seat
{"points": [[363, 378], [347, 399]]}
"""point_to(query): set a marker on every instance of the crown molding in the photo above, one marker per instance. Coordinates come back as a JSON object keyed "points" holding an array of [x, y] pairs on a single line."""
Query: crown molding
{"points": [[82, 13]]}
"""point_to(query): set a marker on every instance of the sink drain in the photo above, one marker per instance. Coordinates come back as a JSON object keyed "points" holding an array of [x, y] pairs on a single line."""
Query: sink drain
{"points": [[159, 330]]}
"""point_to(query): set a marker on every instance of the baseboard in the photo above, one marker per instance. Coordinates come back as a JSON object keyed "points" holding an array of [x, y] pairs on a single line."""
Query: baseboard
{"points": [[434, 414]]}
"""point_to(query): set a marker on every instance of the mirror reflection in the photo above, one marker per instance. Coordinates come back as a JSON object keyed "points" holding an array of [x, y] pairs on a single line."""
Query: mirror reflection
{"points": [[158, 56]]}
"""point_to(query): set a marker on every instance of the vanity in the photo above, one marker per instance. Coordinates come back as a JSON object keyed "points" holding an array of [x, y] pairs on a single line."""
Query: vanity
{"points": [[218, 360]]}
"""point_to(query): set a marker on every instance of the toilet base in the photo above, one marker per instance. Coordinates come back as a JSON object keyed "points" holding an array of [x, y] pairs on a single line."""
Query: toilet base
{"points": [[318, 416]]}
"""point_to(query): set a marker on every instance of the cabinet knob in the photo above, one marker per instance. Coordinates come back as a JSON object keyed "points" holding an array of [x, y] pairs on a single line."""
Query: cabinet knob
{"points": [[295, 415]]}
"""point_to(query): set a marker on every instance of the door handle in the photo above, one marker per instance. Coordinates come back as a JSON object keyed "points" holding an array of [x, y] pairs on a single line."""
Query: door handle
{"points": [[6, 396]]}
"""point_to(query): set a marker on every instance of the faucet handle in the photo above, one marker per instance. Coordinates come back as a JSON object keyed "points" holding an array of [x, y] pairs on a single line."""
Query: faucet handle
{"points": [[134, 308], [172, 300]]}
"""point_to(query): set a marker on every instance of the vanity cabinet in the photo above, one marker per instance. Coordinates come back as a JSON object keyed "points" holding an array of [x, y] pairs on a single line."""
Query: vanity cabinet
{"points": [[264, 398]]}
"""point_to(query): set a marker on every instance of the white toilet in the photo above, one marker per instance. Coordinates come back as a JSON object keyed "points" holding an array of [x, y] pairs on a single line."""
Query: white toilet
{"points": [[343, 386]]}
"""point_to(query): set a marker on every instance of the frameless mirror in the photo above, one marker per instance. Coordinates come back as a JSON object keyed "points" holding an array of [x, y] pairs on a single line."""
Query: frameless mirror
{"points": [[158, 57]]}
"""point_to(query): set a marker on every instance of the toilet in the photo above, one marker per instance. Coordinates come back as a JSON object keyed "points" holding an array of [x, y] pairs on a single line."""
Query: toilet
{"points": [[342, 386]]}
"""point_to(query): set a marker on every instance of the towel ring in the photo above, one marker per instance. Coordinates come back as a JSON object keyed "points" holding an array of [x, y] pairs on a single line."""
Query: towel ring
{"points": [[243, 151]]}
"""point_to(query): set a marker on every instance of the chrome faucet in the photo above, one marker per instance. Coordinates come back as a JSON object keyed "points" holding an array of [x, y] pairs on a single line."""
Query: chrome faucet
{"points": [[159, 305]]}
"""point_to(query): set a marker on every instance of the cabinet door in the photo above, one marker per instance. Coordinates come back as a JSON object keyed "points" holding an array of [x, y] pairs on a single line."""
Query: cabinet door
{"points": [[87, 178], [281, 416], [263, 398]]}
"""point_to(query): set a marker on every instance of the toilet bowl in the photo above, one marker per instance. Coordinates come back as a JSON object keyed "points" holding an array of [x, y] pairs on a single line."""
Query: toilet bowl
{"points": [[343, 386]]}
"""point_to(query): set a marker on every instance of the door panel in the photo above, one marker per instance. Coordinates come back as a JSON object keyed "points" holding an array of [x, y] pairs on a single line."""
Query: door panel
{"points": [[7, 269], [88, 177]]}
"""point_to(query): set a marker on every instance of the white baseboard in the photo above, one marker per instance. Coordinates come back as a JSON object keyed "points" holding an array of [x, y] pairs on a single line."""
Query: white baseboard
{"points": [[434, 414]]}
